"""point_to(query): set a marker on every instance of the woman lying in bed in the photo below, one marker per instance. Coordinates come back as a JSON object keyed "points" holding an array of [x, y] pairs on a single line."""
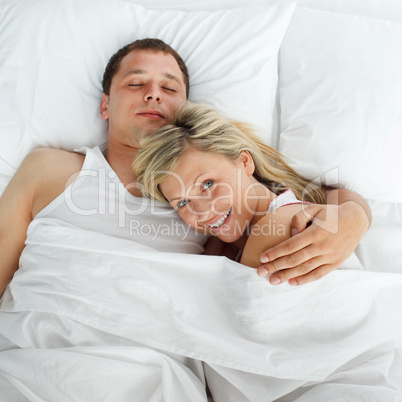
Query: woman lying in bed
{"points": [[224, 181]]}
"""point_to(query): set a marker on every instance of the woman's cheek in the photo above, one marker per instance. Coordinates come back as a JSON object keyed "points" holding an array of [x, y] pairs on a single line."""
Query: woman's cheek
{"points": [[189, 219], [222, 196]]}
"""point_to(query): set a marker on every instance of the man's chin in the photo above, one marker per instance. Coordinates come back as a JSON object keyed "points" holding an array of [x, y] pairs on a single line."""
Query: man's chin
{"points": [[152, 128]]}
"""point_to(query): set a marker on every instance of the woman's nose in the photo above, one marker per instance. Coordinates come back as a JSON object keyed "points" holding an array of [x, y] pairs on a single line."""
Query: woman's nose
{"points": [[202, 208]]}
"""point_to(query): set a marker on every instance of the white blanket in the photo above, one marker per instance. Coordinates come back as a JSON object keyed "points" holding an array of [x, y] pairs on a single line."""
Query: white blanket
{"points": [[88, 317]]}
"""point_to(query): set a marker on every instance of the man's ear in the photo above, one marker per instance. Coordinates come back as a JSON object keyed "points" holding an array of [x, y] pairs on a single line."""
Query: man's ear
{"points": [[247, 162], [103, 107]]}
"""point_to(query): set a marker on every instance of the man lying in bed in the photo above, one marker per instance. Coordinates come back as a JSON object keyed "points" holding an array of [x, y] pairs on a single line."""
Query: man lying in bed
{"points": [[143, 85]]}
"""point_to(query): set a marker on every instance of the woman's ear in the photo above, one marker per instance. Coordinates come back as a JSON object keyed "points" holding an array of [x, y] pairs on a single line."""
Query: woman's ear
{"points": [[103, 107], [247, 162]]}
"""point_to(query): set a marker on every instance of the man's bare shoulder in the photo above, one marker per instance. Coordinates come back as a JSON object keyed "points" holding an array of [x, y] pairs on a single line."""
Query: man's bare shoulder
{"points": [[48, 165], [49, 172], [44, 158]]}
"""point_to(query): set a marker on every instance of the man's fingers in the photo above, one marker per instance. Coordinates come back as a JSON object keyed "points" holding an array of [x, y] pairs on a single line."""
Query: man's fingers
{"points": [[312, 253], [309, 271], [312, 276], [286, 248], [299, 259], [303, 269], [303, 218]]}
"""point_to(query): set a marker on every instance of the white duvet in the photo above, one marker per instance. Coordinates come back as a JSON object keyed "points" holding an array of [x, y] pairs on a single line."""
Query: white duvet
{"points": [[89, 317]]}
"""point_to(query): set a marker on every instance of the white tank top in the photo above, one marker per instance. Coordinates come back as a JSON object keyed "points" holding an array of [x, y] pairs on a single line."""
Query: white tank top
{"points": [[285, 198], [98, 201]]}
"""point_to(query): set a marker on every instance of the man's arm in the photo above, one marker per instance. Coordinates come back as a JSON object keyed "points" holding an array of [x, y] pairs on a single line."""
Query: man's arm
{"points": [[323, 237], [15, 216], [42, 176]]}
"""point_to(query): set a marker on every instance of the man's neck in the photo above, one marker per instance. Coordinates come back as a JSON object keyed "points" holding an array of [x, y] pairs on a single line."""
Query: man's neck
{"points": [[120, 158]]}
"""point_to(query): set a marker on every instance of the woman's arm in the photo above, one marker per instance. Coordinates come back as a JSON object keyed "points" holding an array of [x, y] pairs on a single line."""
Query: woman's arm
{"points": [[323, 237]]}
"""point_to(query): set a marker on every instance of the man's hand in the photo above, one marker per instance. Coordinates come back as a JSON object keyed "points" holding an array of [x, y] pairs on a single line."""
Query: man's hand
{"points": [[323, 237]]}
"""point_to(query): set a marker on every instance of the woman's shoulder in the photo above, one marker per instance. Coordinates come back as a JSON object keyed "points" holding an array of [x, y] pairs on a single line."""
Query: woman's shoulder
{"points": [[269, 231]]}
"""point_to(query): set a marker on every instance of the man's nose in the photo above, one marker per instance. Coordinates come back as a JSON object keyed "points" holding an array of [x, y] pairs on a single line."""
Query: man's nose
{"points": [[153, 93]]}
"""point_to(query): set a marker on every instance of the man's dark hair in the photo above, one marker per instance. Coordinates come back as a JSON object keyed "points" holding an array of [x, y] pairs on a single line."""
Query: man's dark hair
{"points": [[155, 45]]}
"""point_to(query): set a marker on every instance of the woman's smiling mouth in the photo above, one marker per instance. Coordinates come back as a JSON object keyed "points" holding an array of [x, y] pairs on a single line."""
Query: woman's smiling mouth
{"points": [[221, 220]]}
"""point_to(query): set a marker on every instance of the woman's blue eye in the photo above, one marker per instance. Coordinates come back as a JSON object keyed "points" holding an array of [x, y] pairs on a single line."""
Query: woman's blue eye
{"points": [[181, 204], [207, 184]]}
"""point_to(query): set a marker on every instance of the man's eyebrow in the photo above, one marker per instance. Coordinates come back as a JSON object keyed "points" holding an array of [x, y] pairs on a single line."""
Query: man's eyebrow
{"points": [[134, 72], [172, 77], [143, 72]]}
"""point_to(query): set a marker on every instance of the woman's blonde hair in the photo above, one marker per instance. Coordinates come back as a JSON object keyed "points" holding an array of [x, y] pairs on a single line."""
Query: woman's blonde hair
{"points": [[203, 128]]}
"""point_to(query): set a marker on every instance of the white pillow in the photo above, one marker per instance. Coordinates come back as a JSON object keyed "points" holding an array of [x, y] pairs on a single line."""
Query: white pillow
{"points": [[380, 248], [53, 54], [341, 101], [387, 9]]}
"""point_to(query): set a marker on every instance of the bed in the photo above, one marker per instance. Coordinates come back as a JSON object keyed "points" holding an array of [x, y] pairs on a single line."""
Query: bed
{"points": [[92, 317]]}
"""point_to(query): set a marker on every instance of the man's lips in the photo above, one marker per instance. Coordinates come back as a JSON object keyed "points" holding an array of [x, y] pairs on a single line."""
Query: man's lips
{"points": [[151, 114]]}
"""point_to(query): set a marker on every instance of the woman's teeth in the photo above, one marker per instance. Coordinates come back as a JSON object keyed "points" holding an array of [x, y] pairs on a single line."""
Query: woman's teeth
{"points": [[222, 220]]}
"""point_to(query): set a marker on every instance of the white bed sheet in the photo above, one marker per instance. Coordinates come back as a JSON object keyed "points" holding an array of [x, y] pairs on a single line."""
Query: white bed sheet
{"points": [[85, 308]]}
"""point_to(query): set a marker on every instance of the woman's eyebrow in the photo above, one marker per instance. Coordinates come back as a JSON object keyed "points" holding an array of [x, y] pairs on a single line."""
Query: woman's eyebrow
{"points": [[195, 181], [175, 199]]}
